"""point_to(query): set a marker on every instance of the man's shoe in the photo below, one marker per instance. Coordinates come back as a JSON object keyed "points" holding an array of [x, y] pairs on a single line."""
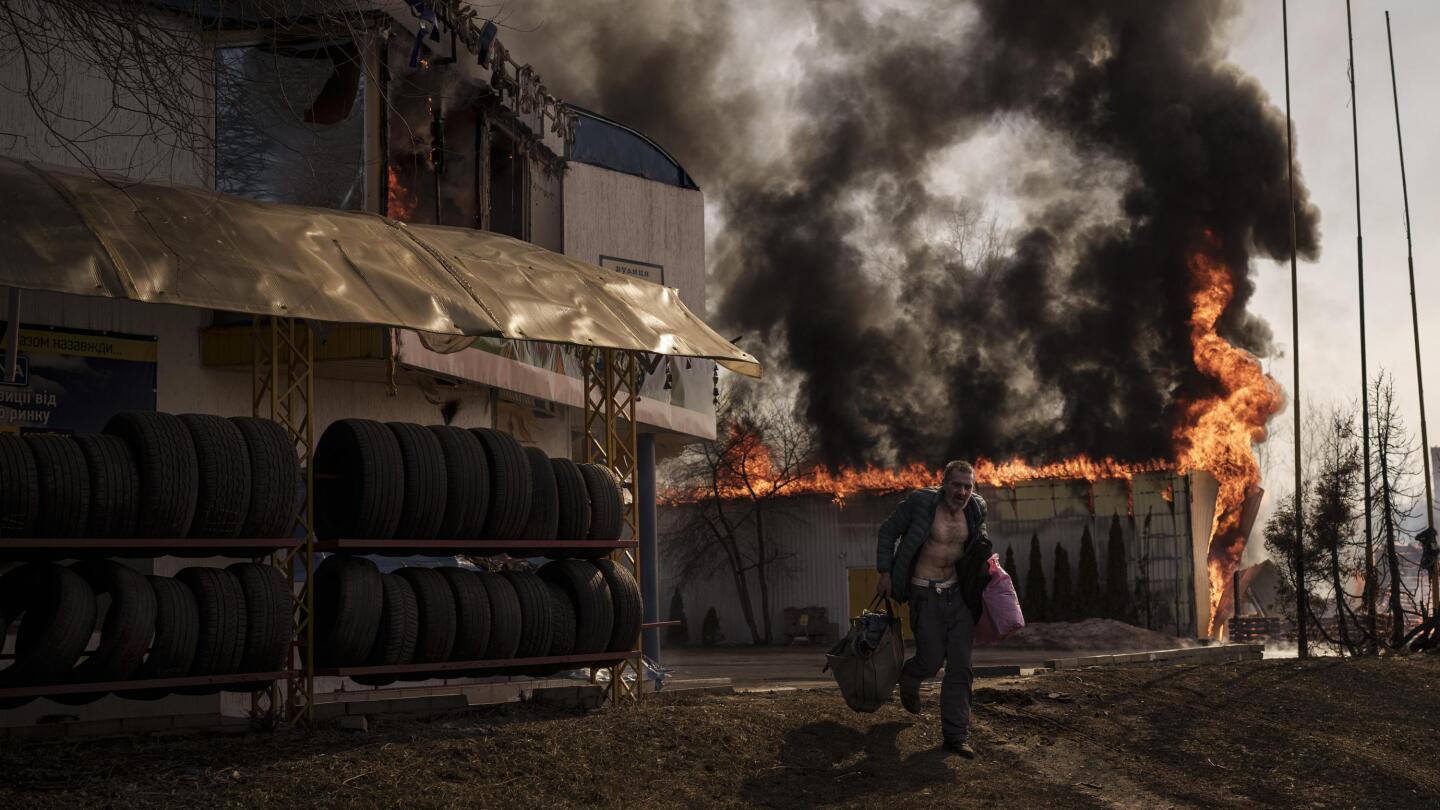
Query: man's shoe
{"points": [[960, 747], [910, 697]]}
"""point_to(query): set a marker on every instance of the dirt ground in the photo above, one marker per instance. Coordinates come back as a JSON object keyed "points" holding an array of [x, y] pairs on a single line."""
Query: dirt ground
{"points": [[1287, 733], [1090, 634]]}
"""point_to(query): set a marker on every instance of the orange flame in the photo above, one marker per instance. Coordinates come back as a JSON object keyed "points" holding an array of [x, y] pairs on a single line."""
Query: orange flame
{"points": [[750, 473], [399, 201], [1218, 433]]}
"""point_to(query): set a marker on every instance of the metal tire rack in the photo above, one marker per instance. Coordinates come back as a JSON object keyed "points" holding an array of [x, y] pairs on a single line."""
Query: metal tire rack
{"points": [[283, 374], [612, 381], [263, 703], [282, 353], [283, 390]]}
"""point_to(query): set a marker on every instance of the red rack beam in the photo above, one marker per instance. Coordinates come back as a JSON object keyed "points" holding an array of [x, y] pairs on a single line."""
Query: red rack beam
{"points": [[462, 545], [496, 663], [149, 683], [11, 548]]}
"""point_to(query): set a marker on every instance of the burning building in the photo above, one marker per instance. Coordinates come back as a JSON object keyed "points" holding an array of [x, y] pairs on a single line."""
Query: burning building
{"points": [[821, 550], [1194, 512], [455, 131], [1147, 174]]}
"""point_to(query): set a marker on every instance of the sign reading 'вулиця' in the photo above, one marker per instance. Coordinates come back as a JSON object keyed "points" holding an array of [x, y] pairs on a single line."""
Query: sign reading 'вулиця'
{"points": [[633, 267]]}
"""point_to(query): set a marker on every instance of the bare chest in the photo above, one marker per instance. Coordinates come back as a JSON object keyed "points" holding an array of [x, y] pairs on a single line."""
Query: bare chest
{"points": [[949, 531]]}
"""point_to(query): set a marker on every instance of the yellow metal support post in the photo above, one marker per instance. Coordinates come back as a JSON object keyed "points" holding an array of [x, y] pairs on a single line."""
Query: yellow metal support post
{"points": [[283, 390], [612, 383]]}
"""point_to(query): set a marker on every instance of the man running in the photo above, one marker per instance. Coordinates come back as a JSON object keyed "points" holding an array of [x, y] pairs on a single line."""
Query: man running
{"points": [[932, 552]]}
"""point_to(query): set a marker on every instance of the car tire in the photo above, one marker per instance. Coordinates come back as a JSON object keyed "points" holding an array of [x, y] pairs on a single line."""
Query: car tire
{"points": [[360, 482], [423, 465], [169, 471], [467, 479], [588, 591], [276, 491], [56, 611], [268, 610], [19, 488], [399, 630], [223, 624], [509, 501], [177, 631], [64, 483], [114, 485], [348, 598], [222, 500]]}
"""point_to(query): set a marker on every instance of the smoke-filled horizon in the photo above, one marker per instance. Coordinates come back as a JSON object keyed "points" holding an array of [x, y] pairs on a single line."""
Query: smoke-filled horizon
{"points": [[856, 271]]}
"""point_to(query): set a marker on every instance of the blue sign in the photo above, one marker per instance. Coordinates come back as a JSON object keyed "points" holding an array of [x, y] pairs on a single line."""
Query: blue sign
{"points": [[74, 380]]}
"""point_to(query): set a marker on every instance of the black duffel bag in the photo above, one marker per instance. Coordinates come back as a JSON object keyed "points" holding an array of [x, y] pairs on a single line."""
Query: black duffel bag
{"points": [[866, 662]]}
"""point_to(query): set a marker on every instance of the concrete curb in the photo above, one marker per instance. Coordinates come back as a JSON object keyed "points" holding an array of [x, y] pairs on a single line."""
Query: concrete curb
{"points": [[417, 704], [1005, 671], [1194, 655], [583, 697], [156, 724], [683, 692]]}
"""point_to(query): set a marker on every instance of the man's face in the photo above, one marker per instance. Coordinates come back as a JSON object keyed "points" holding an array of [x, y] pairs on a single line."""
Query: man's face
{"points": [[959, 486]]}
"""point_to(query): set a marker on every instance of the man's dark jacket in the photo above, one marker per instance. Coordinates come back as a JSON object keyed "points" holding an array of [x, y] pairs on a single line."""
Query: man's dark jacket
{"points": [[911, 522]]}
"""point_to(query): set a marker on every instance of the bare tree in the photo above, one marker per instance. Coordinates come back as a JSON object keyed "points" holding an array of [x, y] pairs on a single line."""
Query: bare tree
{"points": [[1396, 498], [974, 234], [153, 60], [734, 495], [158, 62], [1279, 533], [161, 58], [1332, 525], [1334, 551]]}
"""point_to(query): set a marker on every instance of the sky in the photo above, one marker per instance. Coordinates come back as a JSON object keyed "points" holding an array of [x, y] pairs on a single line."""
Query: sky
{"points": [[1324, 151], [771, 51]]}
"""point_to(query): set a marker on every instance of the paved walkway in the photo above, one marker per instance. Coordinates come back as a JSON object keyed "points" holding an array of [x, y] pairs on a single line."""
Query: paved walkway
{"points": [[800, 665]]}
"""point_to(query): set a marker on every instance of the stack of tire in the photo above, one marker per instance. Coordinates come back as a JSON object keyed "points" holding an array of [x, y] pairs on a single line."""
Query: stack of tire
{"points": [[201, 622], [416, 616], [152, 475], [398, 480]]}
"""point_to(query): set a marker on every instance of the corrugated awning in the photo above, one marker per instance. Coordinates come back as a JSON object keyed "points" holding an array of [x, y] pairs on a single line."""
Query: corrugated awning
{"points": [[69, 231]]}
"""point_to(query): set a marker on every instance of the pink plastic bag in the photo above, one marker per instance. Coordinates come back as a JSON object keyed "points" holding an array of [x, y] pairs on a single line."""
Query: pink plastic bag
{"points": [[1001, 615]]}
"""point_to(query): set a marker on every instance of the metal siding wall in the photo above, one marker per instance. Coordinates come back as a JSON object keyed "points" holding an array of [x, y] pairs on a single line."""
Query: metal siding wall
{"points": [[608, 213], [85, 96], [612, 214], [1069, 513], [547, 214], [1203, 489], [828, 540]]}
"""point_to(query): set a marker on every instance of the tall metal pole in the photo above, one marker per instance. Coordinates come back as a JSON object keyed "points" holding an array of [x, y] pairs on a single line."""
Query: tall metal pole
{"points": [[649, 549], [1414, 313], [1364, 370], [1302, 594]]}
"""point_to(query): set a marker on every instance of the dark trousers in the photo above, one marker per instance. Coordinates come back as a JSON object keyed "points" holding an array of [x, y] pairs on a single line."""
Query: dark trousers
{"points": [[944, 634]]}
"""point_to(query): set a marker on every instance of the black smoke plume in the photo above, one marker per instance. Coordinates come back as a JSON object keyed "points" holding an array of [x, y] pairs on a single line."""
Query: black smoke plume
{"points": [[847, 269]]}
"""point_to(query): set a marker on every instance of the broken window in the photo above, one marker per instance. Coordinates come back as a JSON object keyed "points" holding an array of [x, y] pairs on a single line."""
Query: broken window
{"points": [[290, 123], [432, 141], [507, 181]]}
